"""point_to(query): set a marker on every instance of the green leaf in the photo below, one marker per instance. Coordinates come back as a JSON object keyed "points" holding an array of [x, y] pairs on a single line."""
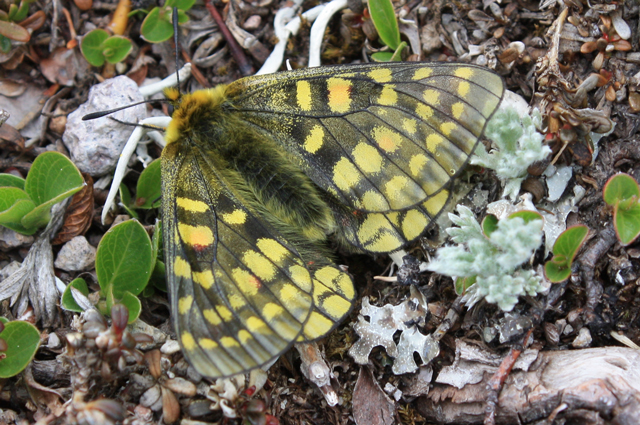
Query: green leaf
{"points": [[464, 283], [180, 4], [397, 55], [565, 249], [5, 44], [14, 32], [527, 216], [619, 187], [155, 28], [133, 304], [52, 178], [18, 14], [149, 188], [489, 224], [92, 46], [123, 261], [9, 180], [116, 48], [68, 302], [125, 199], [14, 205], [384, 19], [23, 340], [627, 223], [382, 56]]}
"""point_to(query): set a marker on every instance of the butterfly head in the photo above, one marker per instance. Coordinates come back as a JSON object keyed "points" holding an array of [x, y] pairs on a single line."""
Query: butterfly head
{"points": [[192, 110]]}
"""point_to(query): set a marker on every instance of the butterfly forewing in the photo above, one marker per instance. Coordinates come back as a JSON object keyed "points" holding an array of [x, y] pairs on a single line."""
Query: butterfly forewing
{"points": [[378, 137]]}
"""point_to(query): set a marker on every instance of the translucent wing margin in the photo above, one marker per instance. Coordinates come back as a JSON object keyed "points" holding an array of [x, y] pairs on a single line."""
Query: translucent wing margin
{"points": [[241, 294], [380, 138]]}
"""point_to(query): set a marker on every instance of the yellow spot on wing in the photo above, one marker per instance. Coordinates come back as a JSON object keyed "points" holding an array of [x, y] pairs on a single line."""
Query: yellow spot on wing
{"points": [[381, 75], [289, 293], [367, 157], [236, 217], [345, 174], [272, 249], [272, 310], [433, 141], [301, 277], [247, 283], [335, 306], [374, 201], [255, 324], [424, 111], [434, 205], [259, 265], [317, 326], [204, 278], [314, 140], [201, 236], [417, 163], [387, 139], [212, 317], [184, 304], [229, 342], [396, 188], [409, 125], [224, 313], [236, 302], [192, 205], [303, 95], [337, 280], [187, 341], [414, 224], [463, 88], [339, 94], [457, 109], [208, 344], [181, 267], [465, 73], [388, 96], [432, 97], [447, 128], [244, 336], [422, 73]]}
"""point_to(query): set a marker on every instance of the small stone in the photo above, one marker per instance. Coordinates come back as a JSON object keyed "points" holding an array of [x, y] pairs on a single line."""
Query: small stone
{"points": [[10, 239], [253, 22], [634, 102], [170, 347], [95, 145], [583, 340], [54, 341], [76, 255]]}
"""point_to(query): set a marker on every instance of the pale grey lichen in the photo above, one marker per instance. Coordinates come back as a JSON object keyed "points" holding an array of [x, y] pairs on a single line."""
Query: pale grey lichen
{"points": [[494, 260], [518, 145]]}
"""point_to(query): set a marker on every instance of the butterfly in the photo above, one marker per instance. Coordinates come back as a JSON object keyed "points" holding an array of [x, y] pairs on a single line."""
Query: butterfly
{"points": [[257, 174]]}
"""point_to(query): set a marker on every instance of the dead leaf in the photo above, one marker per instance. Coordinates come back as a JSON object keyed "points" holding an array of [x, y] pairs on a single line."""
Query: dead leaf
{"points": [[79, 215], [371, 406]]}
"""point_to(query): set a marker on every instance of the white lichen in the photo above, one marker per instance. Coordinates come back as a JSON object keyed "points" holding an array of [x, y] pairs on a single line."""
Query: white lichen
{"points": [[494, 260], [518, 145]]}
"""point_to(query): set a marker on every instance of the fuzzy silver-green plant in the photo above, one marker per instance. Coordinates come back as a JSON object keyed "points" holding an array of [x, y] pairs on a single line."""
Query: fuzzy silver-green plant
{"points": [[495, 260], [518, 145]]}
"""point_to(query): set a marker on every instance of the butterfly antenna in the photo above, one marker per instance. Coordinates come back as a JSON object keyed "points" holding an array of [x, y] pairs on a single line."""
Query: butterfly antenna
{"points": [[100, 114], [175, 42]]}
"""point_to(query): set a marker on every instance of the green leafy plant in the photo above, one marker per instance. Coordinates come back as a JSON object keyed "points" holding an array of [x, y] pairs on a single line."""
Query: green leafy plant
{"points": [[20, 341], [565, 249], [157, 26], [623, 194], [9, 29], [384, 19], [518, 145], [98, 46], [25, 205], [125, 260], [487, 260], [148, 190]]}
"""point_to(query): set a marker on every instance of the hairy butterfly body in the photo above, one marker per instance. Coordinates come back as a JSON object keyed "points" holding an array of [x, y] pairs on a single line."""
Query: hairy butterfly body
{"points": [[257, 173]]}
